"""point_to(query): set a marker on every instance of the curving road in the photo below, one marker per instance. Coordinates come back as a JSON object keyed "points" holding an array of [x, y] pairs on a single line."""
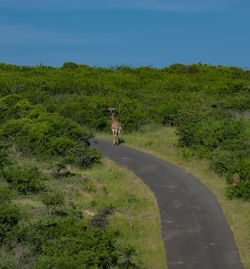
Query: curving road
{"points": [[194, 229]]}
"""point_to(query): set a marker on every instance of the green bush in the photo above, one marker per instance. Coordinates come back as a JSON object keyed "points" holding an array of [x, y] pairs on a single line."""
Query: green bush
{"points": [[223, 133], [9, 214], [5, 195], [13, 107], [60, 145], [70, 65], [72, 244], [42, 134], [4, 160], [83, 156], [220, 138], [223, 162], [4, 156], [188, 118], [240, 190], [101, 219], [53, 201], [126, 259], [90, 187], [9, 217], [25, 180]]}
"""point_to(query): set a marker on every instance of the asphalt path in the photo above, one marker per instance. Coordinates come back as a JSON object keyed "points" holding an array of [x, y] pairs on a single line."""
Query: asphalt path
{"points": [[195, 232]]}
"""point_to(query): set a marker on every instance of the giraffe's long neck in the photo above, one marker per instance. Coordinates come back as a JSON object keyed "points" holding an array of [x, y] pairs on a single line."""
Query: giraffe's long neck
{"points": [[113, 117], [115, 123]]}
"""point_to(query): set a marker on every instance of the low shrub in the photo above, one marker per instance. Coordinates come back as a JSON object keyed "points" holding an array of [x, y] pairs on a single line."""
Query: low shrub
{"points": [[9, 214], [90, 187], [84, 156], [60, 165], [9, 217], [101, 219], [240, 190], [25, 180], [187, 153], [4, 158], [53, 201], [126, 259], [5, 195]]}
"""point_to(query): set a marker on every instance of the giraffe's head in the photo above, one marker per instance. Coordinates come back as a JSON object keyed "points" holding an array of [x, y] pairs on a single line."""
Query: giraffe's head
{"points": [[111, 109]]}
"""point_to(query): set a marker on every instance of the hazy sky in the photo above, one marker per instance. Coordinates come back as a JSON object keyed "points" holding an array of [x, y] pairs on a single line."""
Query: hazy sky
{"points": [[131, 32]]}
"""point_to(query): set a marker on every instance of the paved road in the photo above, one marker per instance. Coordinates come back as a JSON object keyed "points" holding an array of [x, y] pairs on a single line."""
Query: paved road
{"points": [[195, 232]]}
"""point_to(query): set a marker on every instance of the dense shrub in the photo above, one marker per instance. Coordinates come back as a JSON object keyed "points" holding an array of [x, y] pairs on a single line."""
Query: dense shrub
{"points": [[9, 214], [72, 244], [70, 65], [13, 107], [188, 118], [5, 195], [42, 133], [25, 180], [9, 217], [4, 160], [84, 156], [47, 134], [228, 163], [220, 138], [213, 133], [239, 190]]}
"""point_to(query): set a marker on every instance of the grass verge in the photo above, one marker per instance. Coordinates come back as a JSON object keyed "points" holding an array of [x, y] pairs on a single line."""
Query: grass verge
{"points": [[137, 214], [161, 141]]}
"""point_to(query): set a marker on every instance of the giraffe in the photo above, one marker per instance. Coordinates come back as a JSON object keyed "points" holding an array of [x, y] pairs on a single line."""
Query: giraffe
{"points": [[116, 127]]}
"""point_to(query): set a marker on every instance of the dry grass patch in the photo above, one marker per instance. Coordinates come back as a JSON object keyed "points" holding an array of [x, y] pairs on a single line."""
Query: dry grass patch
{"points": [[89, 212]]}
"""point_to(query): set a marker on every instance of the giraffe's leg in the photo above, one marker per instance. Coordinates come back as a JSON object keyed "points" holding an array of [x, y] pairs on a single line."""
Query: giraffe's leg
{"points": [[113, 136], [118, 133], [116, 137]]}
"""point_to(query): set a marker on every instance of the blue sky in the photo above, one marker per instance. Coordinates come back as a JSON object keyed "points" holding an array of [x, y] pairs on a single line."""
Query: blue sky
{"points": [[131, 32]]}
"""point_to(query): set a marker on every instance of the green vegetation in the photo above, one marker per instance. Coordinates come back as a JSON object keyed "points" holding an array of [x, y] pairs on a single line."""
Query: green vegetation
{"points": [[67, 225], [47, 115], [162, 141], [209, 105], [56, 213]]}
